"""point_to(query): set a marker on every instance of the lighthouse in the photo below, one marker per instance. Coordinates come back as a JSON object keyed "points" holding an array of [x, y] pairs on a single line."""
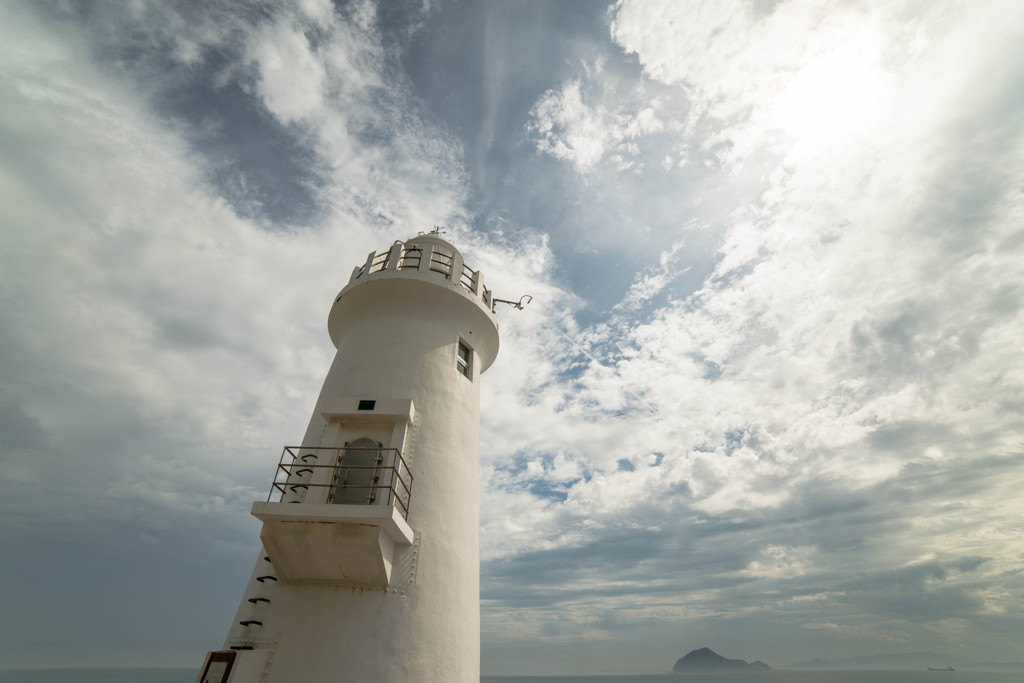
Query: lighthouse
{"points": [[369, 566]]}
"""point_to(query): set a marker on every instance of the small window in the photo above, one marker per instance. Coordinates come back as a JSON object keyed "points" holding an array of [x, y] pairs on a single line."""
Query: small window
{"points": [[366, 405], [464, 363]]}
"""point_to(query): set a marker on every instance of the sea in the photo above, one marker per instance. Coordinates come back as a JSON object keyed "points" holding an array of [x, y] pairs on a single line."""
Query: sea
{"points": [[859, 676]]}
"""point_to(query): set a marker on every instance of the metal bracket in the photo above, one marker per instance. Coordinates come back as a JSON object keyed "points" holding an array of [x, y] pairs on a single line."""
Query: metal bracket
{"points": [[518, 305]]}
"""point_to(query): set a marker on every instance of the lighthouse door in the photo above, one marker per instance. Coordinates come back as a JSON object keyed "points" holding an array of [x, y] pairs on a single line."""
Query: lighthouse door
{"points": [[357, 476]]}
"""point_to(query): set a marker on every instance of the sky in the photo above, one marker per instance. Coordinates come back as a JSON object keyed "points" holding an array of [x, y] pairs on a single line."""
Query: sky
{"points": [[767, 397]]}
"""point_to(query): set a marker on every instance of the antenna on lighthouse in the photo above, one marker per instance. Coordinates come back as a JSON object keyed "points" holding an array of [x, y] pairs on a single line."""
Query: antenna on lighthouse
{"points": [[438, 230]]}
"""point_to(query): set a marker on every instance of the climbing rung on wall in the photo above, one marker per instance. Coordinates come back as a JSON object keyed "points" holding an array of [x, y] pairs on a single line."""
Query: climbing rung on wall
{"points": [[255, 600], [261, 579]]}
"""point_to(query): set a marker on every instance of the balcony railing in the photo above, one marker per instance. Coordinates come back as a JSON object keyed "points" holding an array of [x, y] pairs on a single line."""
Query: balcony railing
{"points": [[427, 258], [325, 475]]}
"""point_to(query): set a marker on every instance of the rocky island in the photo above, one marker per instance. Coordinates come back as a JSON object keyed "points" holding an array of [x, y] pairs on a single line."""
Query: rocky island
{"points": [[705, 660]]}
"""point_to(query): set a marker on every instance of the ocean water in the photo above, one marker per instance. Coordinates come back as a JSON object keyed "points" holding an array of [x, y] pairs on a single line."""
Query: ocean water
{"points": [[97, 675], [873, 676], [902, 676]]}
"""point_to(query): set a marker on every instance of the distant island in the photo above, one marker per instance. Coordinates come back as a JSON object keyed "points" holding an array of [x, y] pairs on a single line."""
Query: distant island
{"points": [[705, 660]]}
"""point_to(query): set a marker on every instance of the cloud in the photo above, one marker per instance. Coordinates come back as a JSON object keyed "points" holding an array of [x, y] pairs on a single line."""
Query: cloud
{"points": [[791, 412], [291, 78], [568, 125], [801, 68], [585, 135], [161, 343], [836, 343]]}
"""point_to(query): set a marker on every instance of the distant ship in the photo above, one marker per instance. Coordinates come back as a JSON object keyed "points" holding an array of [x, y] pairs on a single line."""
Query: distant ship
{"points": [[948, 668]]}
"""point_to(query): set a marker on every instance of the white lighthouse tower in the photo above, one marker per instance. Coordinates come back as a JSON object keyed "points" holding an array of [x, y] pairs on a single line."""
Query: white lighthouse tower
{"points": [[369, 569]]}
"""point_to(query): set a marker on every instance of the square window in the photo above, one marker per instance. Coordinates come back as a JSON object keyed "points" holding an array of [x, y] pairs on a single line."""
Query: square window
{"points": [[366, 405], [464, 362]]}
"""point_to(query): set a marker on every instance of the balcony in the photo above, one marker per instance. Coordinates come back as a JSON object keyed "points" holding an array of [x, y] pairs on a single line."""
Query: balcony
{"points": [[336, 514], [350, 475], [431, 258]]}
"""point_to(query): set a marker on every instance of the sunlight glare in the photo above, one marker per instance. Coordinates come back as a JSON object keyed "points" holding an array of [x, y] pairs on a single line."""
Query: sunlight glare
{"points": [[830, 96]]}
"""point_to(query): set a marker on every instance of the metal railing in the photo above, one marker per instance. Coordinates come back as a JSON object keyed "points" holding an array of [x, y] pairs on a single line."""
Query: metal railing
{"points": [[303, 470], [410, 258], [380, 262], [468, 275], [433, 259], [441, 261]]}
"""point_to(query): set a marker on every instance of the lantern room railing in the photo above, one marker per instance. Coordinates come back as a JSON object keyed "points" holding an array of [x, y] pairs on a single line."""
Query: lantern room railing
{"points": [[321, 475], [428, 258]]}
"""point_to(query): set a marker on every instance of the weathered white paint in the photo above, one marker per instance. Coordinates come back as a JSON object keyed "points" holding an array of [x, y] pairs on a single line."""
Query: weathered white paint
{"points": [[349, 544], [358, 597]]}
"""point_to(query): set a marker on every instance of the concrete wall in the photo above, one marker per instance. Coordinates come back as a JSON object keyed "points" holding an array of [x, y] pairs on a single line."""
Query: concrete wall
{"points": [[397, 334]]}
